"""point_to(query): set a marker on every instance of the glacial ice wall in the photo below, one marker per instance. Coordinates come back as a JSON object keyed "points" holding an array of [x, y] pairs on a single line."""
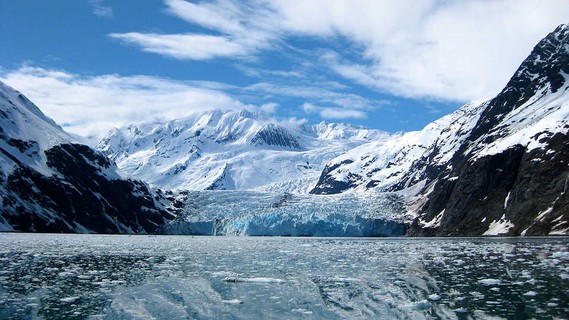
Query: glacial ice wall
{"points": [[283, 214]]}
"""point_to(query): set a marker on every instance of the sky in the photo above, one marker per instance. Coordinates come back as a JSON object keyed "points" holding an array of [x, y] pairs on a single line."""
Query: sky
{"points": [[93, 65]]}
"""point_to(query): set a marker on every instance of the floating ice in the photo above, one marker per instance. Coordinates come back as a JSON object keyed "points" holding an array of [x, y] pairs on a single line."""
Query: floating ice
{"points": [[69, 299], [233, 301], [252, 280], [530, 294], [179, 277], [490, 282], [434, 297]]}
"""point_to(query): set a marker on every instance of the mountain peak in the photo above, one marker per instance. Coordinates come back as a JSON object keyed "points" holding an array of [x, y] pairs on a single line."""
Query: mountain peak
{"points": [[251, 149], [544, 70], [239, 113], [22, 120], [275, 135], [49, 183], [545, 63]]}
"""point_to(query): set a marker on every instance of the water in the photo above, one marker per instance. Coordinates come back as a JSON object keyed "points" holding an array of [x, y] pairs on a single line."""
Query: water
{"points": [[116, 277]]}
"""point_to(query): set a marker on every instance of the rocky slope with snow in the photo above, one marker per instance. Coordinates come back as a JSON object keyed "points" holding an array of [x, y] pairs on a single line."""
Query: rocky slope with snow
{"points": [[402, 162], [48, 183], [497, 167], [233, 150]]}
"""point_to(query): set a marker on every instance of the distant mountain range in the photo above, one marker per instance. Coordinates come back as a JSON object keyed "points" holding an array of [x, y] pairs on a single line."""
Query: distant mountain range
{"points": [[232, 150], [490, 168]]}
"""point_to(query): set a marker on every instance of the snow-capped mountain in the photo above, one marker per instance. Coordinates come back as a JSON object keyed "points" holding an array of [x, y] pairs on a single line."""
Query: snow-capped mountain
{"points": [[233, 150], [393, 164], [48, 183], [496, 167]]}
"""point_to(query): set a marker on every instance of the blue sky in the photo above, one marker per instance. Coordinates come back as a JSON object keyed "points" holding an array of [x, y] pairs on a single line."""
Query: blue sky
{"points": [[391, 65]]}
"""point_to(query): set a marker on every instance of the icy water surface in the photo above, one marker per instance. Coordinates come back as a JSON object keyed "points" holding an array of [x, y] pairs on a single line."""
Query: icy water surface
{"points": [[181, 277]]}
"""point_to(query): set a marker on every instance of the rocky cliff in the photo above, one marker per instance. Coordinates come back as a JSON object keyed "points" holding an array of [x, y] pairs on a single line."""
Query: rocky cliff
{"points": [[499, 167], [48, 183]]}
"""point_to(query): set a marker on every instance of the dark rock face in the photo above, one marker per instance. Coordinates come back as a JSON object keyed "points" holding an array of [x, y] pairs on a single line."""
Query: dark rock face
{"points": [[528, 189], [328, 185], [543, 68], [524, 191], [274, 135], [49, 184], [541, 189], [81, 198], [478, 193]]}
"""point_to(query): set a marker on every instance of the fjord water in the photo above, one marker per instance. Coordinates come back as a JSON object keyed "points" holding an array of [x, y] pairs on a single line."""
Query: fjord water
{"points": [[167, 277]]}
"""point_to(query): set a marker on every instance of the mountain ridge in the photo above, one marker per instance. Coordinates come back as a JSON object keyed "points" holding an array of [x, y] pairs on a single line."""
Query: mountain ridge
{"points": [[506, 173], [512, 171], [50, 183], [252, 151]]}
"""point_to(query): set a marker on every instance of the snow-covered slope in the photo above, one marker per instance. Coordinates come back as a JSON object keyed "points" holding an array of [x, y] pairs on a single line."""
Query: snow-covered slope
{"points": [[48, 183], [496, 167], [25, 130], [398, 163], [236, 150], [512, 173]]}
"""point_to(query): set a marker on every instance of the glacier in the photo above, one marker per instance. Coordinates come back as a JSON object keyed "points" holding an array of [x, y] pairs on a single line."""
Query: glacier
{"points": [[254, 213]]}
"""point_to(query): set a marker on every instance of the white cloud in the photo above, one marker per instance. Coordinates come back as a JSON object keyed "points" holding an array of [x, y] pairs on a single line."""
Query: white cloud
{"points": [[456, 50], [90, 106], [441, 49], [241, 30], [269, 107], [183, 46], [332, 112], [318, 93], [101, 10], [222, 16]]}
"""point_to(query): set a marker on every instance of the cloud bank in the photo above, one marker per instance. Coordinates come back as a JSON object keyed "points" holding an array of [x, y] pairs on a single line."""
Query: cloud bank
{"points": [[333, 113], [440, 49], [90, 106]]}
